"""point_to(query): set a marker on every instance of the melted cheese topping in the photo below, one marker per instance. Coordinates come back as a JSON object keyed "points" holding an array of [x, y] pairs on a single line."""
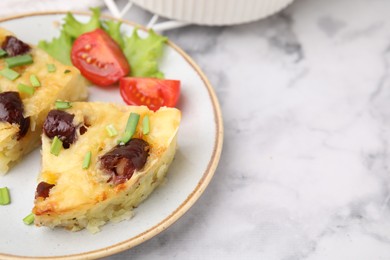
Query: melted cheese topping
{"points": [[56, 85], [79, 194]]}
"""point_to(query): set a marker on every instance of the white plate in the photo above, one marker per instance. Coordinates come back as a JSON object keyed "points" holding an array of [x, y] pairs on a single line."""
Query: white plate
{"points": [[200, 143]]}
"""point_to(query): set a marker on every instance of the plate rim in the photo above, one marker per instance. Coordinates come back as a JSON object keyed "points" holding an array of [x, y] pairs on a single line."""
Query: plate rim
{"points": [[191, 198]]}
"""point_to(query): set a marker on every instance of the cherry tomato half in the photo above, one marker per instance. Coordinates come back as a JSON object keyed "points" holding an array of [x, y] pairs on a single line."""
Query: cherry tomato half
{"points": [[99, 58], [151, 92]]}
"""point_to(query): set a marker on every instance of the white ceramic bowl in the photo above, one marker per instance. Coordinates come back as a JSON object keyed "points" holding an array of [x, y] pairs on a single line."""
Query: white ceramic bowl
{"points": [[213, 12]]}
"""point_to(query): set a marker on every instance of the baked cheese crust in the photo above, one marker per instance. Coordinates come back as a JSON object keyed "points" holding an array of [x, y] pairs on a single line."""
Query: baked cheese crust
{"points": [[65, 83], [85, 198]]}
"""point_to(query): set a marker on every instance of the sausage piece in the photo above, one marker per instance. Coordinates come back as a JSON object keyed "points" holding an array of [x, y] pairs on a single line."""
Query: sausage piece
{"points": [[122, 161], [43, 189], [60, 123], [13, 46], [11, 111]]}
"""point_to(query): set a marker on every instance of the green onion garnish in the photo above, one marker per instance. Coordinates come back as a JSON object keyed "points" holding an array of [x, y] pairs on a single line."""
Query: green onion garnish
{"points": [[56, 146], [29, 219], [4, 196], [9, 74], [67, 71], [145, 125], [19, 60], [111, 130], [87, 160], [132, 122], [2, 53], [62, 104], [125, 138], [26, 89], [34, 81], [51, 68], [130, 128]]}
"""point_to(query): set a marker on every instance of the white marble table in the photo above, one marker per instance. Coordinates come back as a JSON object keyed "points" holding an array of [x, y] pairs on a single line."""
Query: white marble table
{"points": [[305, 169], [304, 172]]}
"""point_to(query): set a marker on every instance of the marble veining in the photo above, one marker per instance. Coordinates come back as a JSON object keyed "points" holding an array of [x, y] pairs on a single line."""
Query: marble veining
{"points": [[304, 173], [305, 168]]}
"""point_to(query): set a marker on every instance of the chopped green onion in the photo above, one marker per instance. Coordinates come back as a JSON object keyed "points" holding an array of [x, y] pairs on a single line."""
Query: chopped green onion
{"points": [[130, 128], [4, 196], [51, 68], [19, 60], [132, 122], [111, 130], [34, 81], [67, 71], [145, 125], [125, 138], [9, 74], [29, 219], [87, 160], [56, 146], [26, 89], [2, 53], [62, 104]]}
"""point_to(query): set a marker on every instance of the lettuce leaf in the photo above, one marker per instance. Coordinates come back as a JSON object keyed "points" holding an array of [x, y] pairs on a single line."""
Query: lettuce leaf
{"points": [[59, 48], [113, 29], [143, 54], [75, 28]]}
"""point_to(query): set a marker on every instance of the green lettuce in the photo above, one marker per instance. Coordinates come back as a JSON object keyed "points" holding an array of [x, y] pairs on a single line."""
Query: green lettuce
{"points": [[75, 28], [113, 29], [141, 53], [59, 48]]}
